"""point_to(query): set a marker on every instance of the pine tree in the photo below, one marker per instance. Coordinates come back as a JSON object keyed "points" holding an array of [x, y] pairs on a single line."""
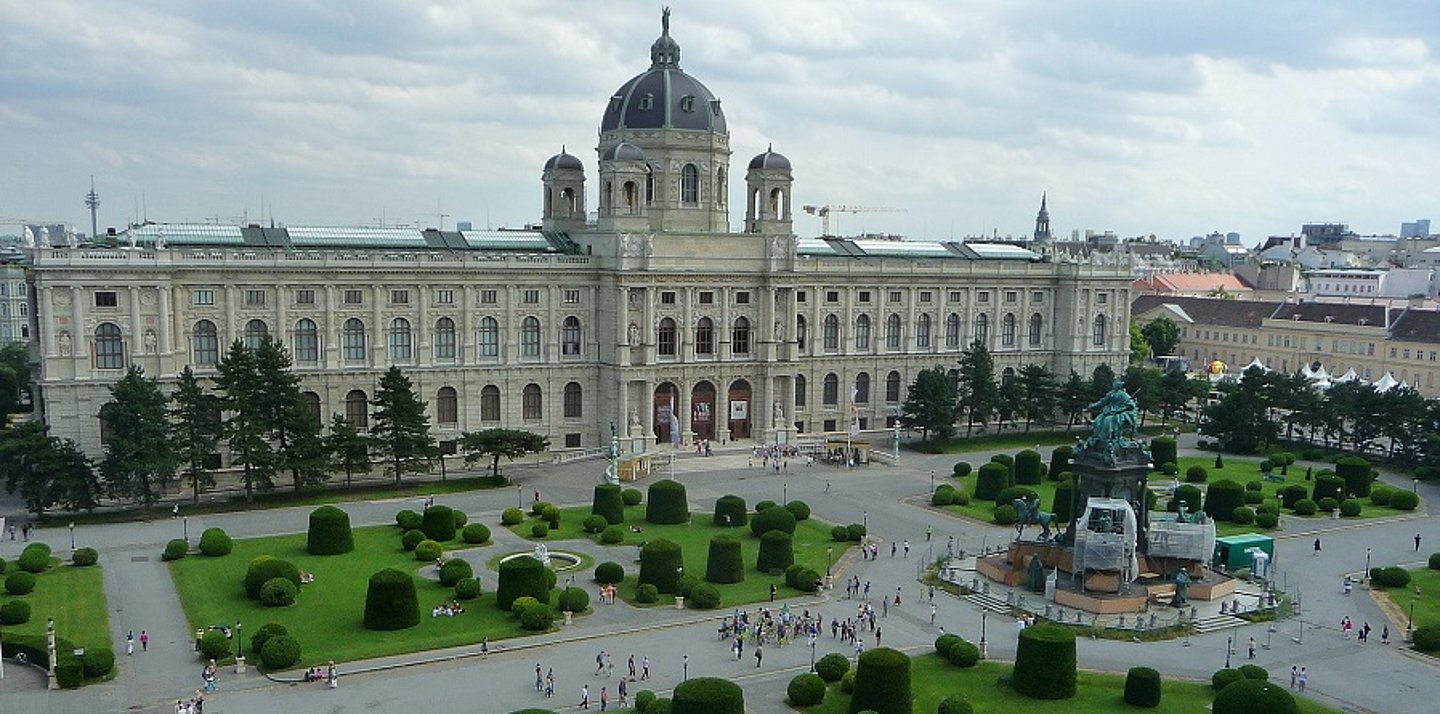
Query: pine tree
{"points": [[930, 404], [139, 460], [399, 427], [23, 464], [347, 449], [1074, 397], [246, 429], [1102, 380], [73, 485], [979, 396], [195, 429], [294, 429], [494, 443], [1039, 393]]}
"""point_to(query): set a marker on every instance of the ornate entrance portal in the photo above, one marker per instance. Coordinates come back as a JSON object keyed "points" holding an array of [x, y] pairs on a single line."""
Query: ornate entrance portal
{"points": [[702, 410], [740, 409], [667, 420]]}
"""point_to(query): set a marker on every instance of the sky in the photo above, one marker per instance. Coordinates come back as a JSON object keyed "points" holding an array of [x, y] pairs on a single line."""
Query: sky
{"points": [[1140, 117]]}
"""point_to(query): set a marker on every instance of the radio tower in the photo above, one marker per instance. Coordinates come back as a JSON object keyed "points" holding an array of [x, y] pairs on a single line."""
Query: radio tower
{"points": [[92, 200]]}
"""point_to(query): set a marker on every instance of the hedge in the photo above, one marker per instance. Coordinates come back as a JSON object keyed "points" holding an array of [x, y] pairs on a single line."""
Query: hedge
{"points": [[214, 644], [773, 519], [411, 539], [993, 477], [704, 597], [832, 667], [631, 496], [805, 690], [730, 511], [475, 533], [521, 576], [799, 509], [955, 704], [428, 550], [1027, 467], [1045, 662], [1163, 450], [408, 520], [1356, 473], [215, 543], [15, 612], [776, 551], [69, 672], [1222, 498], [266, 631], [608, 502], [391, 602], [1390, 576], [1434, 561], [174, 550], [574, 600], [724, 564], [454, 570], [609, 573], [1253, 696], [438, 522], [839, 534], [882, 682], [20, 582], [707, 695], [1060, 461], [280, 652], [667, 503], [278, 592], [467, 589], [265, 567], [1142, 687], [330, 532], [660, 564], [1329, 486], [1426, 638]]}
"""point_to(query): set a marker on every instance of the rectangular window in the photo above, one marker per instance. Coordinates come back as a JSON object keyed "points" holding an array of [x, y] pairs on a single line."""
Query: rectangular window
{"points": [[1037, 297], [983, 297], [107, 298], [202, 297], [926, 296], [799, 296], [829, 425], [865, 296], [1393, 350], [1012, 296], [954, 296], [489, 297], [354, 297], [896, 296], [832, 296], [304, 297], [530, 297], [399, 297], [255, 297], [742, 297], [707, 297], [445, 297], [667, 297], [572, 297], [1102, 298], [572, 441]]}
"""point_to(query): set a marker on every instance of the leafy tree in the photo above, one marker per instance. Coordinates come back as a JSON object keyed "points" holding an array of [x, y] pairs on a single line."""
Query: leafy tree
{"points": [[1404, 414], [73, 485], [494, 443], [247, 428], [1039, 393], [1139, 347], [1143, 384], [400, 429], [1102, 380], [139, 459], [978, 395], [348, 449], [294, 428], [45, 470], [1175, 391], [14, 377], [195, 430], [1163, 335], [1011, 401], [1240, 420], [930, 404], [1074, 398]]}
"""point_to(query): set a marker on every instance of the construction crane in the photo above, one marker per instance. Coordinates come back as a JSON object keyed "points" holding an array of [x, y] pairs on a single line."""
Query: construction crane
{"points": [[824, 213]]}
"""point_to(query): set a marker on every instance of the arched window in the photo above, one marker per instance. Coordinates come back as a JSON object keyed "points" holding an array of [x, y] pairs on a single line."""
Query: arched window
{"points": [[488, 337], [254, 335], [311, 402], [109, 347], [632, 197], [649, 184], [721, 186], [357, 409], [800, 390], [952, 331], [530, 404], [1007, 330], [205, 343], [665, 338], [922, 330], [705, 337], [1007, 376], [862, 388], [830, 334], [740, 337], [892, 387], [1101, 331], [689, 184], [530, 337], [954, 377], [830, 392], [572, 401], [862, 332], [447, 406], [490, 403], [352, 341], [982, 329], [445, 339], [570, 336], [306, 342], [802, 335], [1037, 329], [400, 340], [892, 332]]}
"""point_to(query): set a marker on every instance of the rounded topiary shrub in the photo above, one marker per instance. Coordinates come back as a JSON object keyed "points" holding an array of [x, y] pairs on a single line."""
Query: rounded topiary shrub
{"points": [[594, 524], [631, 496], [773, 519], [1254, 671], [522, 604], [1222, 498], [1045, 662], [764, 505], [1005, 515], [215, 543], [511, 516], [1350, 507], [460, 518], [612, 535], [944, 642], [1225, 677], [955, 704], [609, 573], [730, 511], [1253, 696], [776, 552], [724, 564], [802, 578], [411, 539], [944, 495], [1163, 450], [857, 531], [964, 654], [882, 682], [522, 576], [847, 682], [666, 504], [1328, 485], [1306, 507], [214, 644], [805, 690], [704, 597], [85, 557], [330, 532], [799, 509], [174, 550], [1292, 493], [1060, 461], [467, 589], [280, 652], [1380, 494], [992, 479], [1142, 687], [832, 667], [475, 533], [608, 503], [1434, 561], [1253, 497], [1194, 474], [1027, 467], [1244, 515], [427, 550], [408, 520], [454, 570], [1327, 504], [438, 522], [708, 695], [1426, 638], [1010, 493], [839, 534], [660, 564], [15, 612], [391, 602], [1355, 471], [263, 569], [1404, 500], [646, 594], [1266, 519], [266, 631], [278, 592], [962, 469], [1390, 576], [36, 558], [574, 600], [98, 661]]}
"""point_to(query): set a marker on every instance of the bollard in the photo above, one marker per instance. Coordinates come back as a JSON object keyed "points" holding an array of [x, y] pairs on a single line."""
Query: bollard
{"points": [[679, 602], [569, 617], [240, 664]]}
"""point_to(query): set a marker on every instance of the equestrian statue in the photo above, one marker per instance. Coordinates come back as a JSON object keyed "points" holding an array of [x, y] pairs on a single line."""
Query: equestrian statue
{"points": [[1028, 513]]}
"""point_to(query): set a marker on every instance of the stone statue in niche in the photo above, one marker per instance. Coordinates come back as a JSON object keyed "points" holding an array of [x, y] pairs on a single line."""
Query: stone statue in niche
{"points": [[777, 413], [634, 335], [151, 342], [64, 342], [779, 331], [634, 421]]}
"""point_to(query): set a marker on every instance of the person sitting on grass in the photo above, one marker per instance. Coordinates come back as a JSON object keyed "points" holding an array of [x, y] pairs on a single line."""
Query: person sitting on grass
{"points": [[306, 577]]}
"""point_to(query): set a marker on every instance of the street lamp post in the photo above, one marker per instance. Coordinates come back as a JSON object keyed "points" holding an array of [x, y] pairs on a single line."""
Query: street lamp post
{"points": [[932, 481], [185, 527], [812, 652], [784, 493], [1410, 629], [1229, 648], [72, 535], [520, 497], [984, 652], [829, 551], [1415, 486], [1366, 576], [865, 521]]}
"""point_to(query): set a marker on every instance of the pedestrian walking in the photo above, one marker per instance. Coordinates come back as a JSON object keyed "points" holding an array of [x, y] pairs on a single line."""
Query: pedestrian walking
{"points": [[144, 641], [604, 699], [893, 547], [609, 666], [772, 592], [549, 682], [622, 691], [1294, 672], [1417, 542], [1365, 632], [539, 679], [599, 663], [929, 531], [332, 675], [1303, 679], [584, 696], [932, 613], [632, 665], [1252, 649], [130, 642], [685, 667], [645, 667], [759, 655], [1385, 635], [1317, 546], [907, 548], [877, 637]]}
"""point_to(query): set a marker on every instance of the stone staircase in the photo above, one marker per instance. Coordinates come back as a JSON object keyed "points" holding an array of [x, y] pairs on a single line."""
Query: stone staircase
{"points": [[989, 602], [1216, 623]]}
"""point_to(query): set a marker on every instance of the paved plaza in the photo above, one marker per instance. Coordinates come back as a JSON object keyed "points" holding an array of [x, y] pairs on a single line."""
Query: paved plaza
{"points": [[1343, 673]]}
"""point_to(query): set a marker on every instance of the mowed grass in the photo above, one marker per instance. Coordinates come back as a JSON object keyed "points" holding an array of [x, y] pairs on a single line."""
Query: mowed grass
{"points": [[327, 618], [933, 679], [74, 596], [811, 539], [1427, 606]]}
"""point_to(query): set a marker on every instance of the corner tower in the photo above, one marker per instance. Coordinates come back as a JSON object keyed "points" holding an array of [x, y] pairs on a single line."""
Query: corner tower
{"points": [[767, 194], [677, 125], [563, 179], [1042, 224]]}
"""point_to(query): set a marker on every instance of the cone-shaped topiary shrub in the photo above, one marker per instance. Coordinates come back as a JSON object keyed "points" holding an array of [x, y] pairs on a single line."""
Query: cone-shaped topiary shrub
{"points": [[390, 602], [1142, 687], [522, 576], [1027, 468], [330, 532], [609, 503], [667, 504], [993, 478], [438, 522], [1045, 662], [1222, 498], [263, 569], [1254, 696], [730, 511], [660, 564], [882, 682], [1064, 491], [773, 519], [707, 695], [215, 543], [776, 552], [724, 563]]}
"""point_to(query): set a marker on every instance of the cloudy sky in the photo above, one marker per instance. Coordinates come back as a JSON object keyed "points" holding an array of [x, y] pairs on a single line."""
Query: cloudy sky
{"points": [[1172, 118]]}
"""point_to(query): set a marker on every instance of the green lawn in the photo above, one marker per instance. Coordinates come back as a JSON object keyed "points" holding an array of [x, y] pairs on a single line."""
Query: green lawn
{"points": [[812, 538], [1018, 437], [75, 597], [933, 679], [1427, 607]]}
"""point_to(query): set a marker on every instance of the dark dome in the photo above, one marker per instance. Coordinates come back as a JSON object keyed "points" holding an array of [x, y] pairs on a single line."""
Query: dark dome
{"points": [[663, 97], [770, 160], [564, 160], [623, 151]]}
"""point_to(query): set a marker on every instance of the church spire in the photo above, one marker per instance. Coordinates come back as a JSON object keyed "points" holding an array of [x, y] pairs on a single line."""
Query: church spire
{"points": [[1042, 222], [665, 52]]}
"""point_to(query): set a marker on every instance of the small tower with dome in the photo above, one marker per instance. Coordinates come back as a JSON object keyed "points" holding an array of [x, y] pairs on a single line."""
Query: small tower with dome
{"points": [[625, 182], [563, 179], [768, 182]]}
